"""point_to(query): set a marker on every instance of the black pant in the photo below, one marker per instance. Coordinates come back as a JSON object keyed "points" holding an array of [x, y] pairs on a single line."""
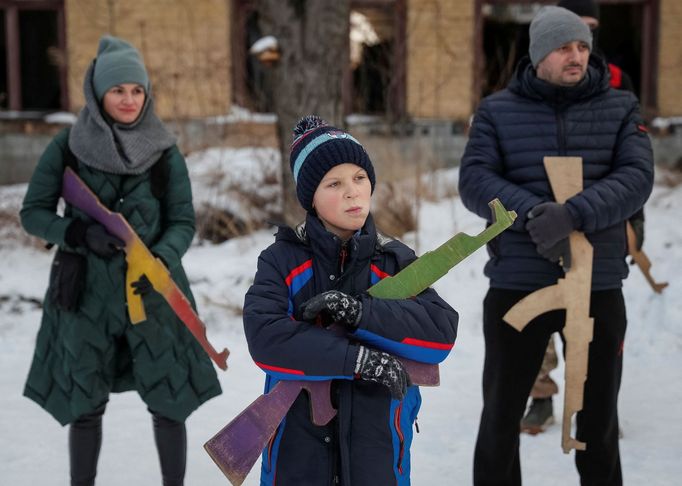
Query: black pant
{"points": [[512, 361], [85, 441]]}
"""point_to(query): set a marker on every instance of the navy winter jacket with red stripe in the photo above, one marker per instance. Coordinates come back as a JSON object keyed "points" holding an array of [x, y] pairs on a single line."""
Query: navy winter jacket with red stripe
{"points": [[511, 133], [369, 440]]}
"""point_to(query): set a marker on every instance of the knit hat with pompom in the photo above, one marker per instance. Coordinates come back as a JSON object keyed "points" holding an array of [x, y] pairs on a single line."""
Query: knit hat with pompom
{"points": [[316, 148]]}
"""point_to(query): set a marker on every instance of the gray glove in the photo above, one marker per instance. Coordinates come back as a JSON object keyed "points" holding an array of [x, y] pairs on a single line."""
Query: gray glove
{"points": [[560, 251], [548, 223], [332, 307], [382, 368]]}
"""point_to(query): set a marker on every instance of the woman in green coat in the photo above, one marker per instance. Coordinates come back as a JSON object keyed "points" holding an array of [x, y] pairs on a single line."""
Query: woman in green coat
{"points": [[87, 347]]}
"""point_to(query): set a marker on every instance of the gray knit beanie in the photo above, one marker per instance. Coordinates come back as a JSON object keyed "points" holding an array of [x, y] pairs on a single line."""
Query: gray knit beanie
{"points": [[117, 62], [551, 28]]}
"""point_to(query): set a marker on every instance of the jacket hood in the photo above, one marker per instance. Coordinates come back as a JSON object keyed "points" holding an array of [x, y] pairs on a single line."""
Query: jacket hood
{"points": [[526, 83], [326, 245]]}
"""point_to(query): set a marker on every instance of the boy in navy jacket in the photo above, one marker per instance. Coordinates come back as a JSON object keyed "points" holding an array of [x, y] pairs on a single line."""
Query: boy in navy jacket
{"points": [[316, 275]]}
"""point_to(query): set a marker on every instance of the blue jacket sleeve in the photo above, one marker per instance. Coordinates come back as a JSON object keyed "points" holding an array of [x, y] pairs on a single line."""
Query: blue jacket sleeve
{"points": [[615, 197], [284, 347], [422, 328], [481, 174]]}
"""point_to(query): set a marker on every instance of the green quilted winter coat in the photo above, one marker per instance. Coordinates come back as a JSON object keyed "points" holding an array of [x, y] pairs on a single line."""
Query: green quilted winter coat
{"points": [[82, 356]]}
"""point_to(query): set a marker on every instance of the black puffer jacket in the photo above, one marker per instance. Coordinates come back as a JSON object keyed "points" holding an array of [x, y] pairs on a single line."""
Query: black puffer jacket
{"points": [[511, 133]]}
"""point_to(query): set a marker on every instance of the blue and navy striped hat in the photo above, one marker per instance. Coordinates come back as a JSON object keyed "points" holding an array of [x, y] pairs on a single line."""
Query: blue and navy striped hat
{"points": [[317, 147]]}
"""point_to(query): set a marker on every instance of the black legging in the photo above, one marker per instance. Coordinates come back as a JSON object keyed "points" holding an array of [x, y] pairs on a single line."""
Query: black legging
{"points": [[85, 441], [171, 443]]}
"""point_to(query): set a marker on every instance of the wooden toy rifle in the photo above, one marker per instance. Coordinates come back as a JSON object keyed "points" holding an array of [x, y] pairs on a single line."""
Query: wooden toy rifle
{"points": [[571, 293], [140, 261], [642, 260]]}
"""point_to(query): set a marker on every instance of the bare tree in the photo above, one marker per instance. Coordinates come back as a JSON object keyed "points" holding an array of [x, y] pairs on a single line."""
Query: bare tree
{"points": [[313, 43]]}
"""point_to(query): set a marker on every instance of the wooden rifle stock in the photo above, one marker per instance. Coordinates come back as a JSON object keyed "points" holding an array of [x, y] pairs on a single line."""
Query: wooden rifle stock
{"points": [[235, 449]]}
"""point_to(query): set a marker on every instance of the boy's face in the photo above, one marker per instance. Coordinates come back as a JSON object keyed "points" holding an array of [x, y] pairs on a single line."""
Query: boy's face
{"points": [[342, 199]]}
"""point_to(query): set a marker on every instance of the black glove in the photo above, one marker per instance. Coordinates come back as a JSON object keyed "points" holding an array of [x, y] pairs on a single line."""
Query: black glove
{"points": [[548, 223], [333, 307], [382, 368], [560, 250], [142, 286], [101, 242], [75, 233]]}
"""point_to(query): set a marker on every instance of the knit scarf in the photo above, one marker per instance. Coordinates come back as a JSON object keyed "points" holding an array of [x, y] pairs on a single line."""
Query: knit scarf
{"points": [[114, 147]]}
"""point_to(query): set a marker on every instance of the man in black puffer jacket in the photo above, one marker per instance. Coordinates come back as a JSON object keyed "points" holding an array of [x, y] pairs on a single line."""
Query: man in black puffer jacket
{"points": [[559, 103]]}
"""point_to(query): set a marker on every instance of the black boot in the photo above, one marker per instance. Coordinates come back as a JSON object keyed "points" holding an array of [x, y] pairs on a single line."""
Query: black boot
{"points": [[85, 441], [539, 416], [171, 443]]}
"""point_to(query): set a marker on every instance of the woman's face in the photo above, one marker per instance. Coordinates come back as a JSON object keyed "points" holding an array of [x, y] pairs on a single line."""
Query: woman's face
{"points": [[124, 102], [342, 200]]}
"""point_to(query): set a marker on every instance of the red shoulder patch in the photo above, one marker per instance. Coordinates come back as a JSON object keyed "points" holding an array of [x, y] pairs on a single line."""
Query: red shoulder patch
{"points": [[616, 76]]}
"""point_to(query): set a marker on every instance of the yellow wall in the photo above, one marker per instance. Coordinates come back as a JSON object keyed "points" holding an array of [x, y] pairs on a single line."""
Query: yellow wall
{"points": [[185, 46], [440, 50], [670, 58]]}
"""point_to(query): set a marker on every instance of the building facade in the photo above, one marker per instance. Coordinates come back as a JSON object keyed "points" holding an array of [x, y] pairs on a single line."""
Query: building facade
{"points": [[427, 62]]}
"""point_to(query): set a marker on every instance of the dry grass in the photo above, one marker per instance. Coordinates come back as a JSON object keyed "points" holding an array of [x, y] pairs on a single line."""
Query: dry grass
{"points": [[670, 177], [394, 208], [235, 192]]}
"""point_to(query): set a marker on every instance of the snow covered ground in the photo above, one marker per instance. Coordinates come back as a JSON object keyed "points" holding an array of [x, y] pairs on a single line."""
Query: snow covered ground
{"points": [[33, 447]]}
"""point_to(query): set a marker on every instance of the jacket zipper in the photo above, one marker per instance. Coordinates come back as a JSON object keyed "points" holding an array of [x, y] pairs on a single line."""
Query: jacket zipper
{"points": [[342, 258], [401, 436], [561, 129]]}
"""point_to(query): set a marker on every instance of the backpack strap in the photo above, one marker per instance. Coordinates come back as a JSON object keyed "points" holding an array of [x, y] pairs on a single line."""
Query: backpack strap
{"points": [[159, 175], [70, 159]]}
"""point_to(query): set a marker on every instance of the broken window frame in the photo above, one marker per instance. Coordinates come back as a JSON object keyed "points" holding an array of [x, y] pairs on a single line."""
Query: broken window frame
{"points": [[396, 98]]}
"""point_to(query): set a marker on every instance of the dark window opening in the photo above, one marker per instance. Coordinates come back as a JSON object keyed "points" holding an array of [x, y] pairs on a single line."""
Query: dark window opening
{"points": [[372, 54], [32, 47], [626, 38], [620, 39], [259, 95], [505, 42], [250, 83], [39, 57]]}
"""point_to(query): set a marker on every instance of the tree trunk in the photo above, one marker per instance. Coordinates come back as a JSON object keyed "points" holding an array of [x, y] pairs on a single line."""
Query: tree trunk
{"points": [[307, 79]]}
